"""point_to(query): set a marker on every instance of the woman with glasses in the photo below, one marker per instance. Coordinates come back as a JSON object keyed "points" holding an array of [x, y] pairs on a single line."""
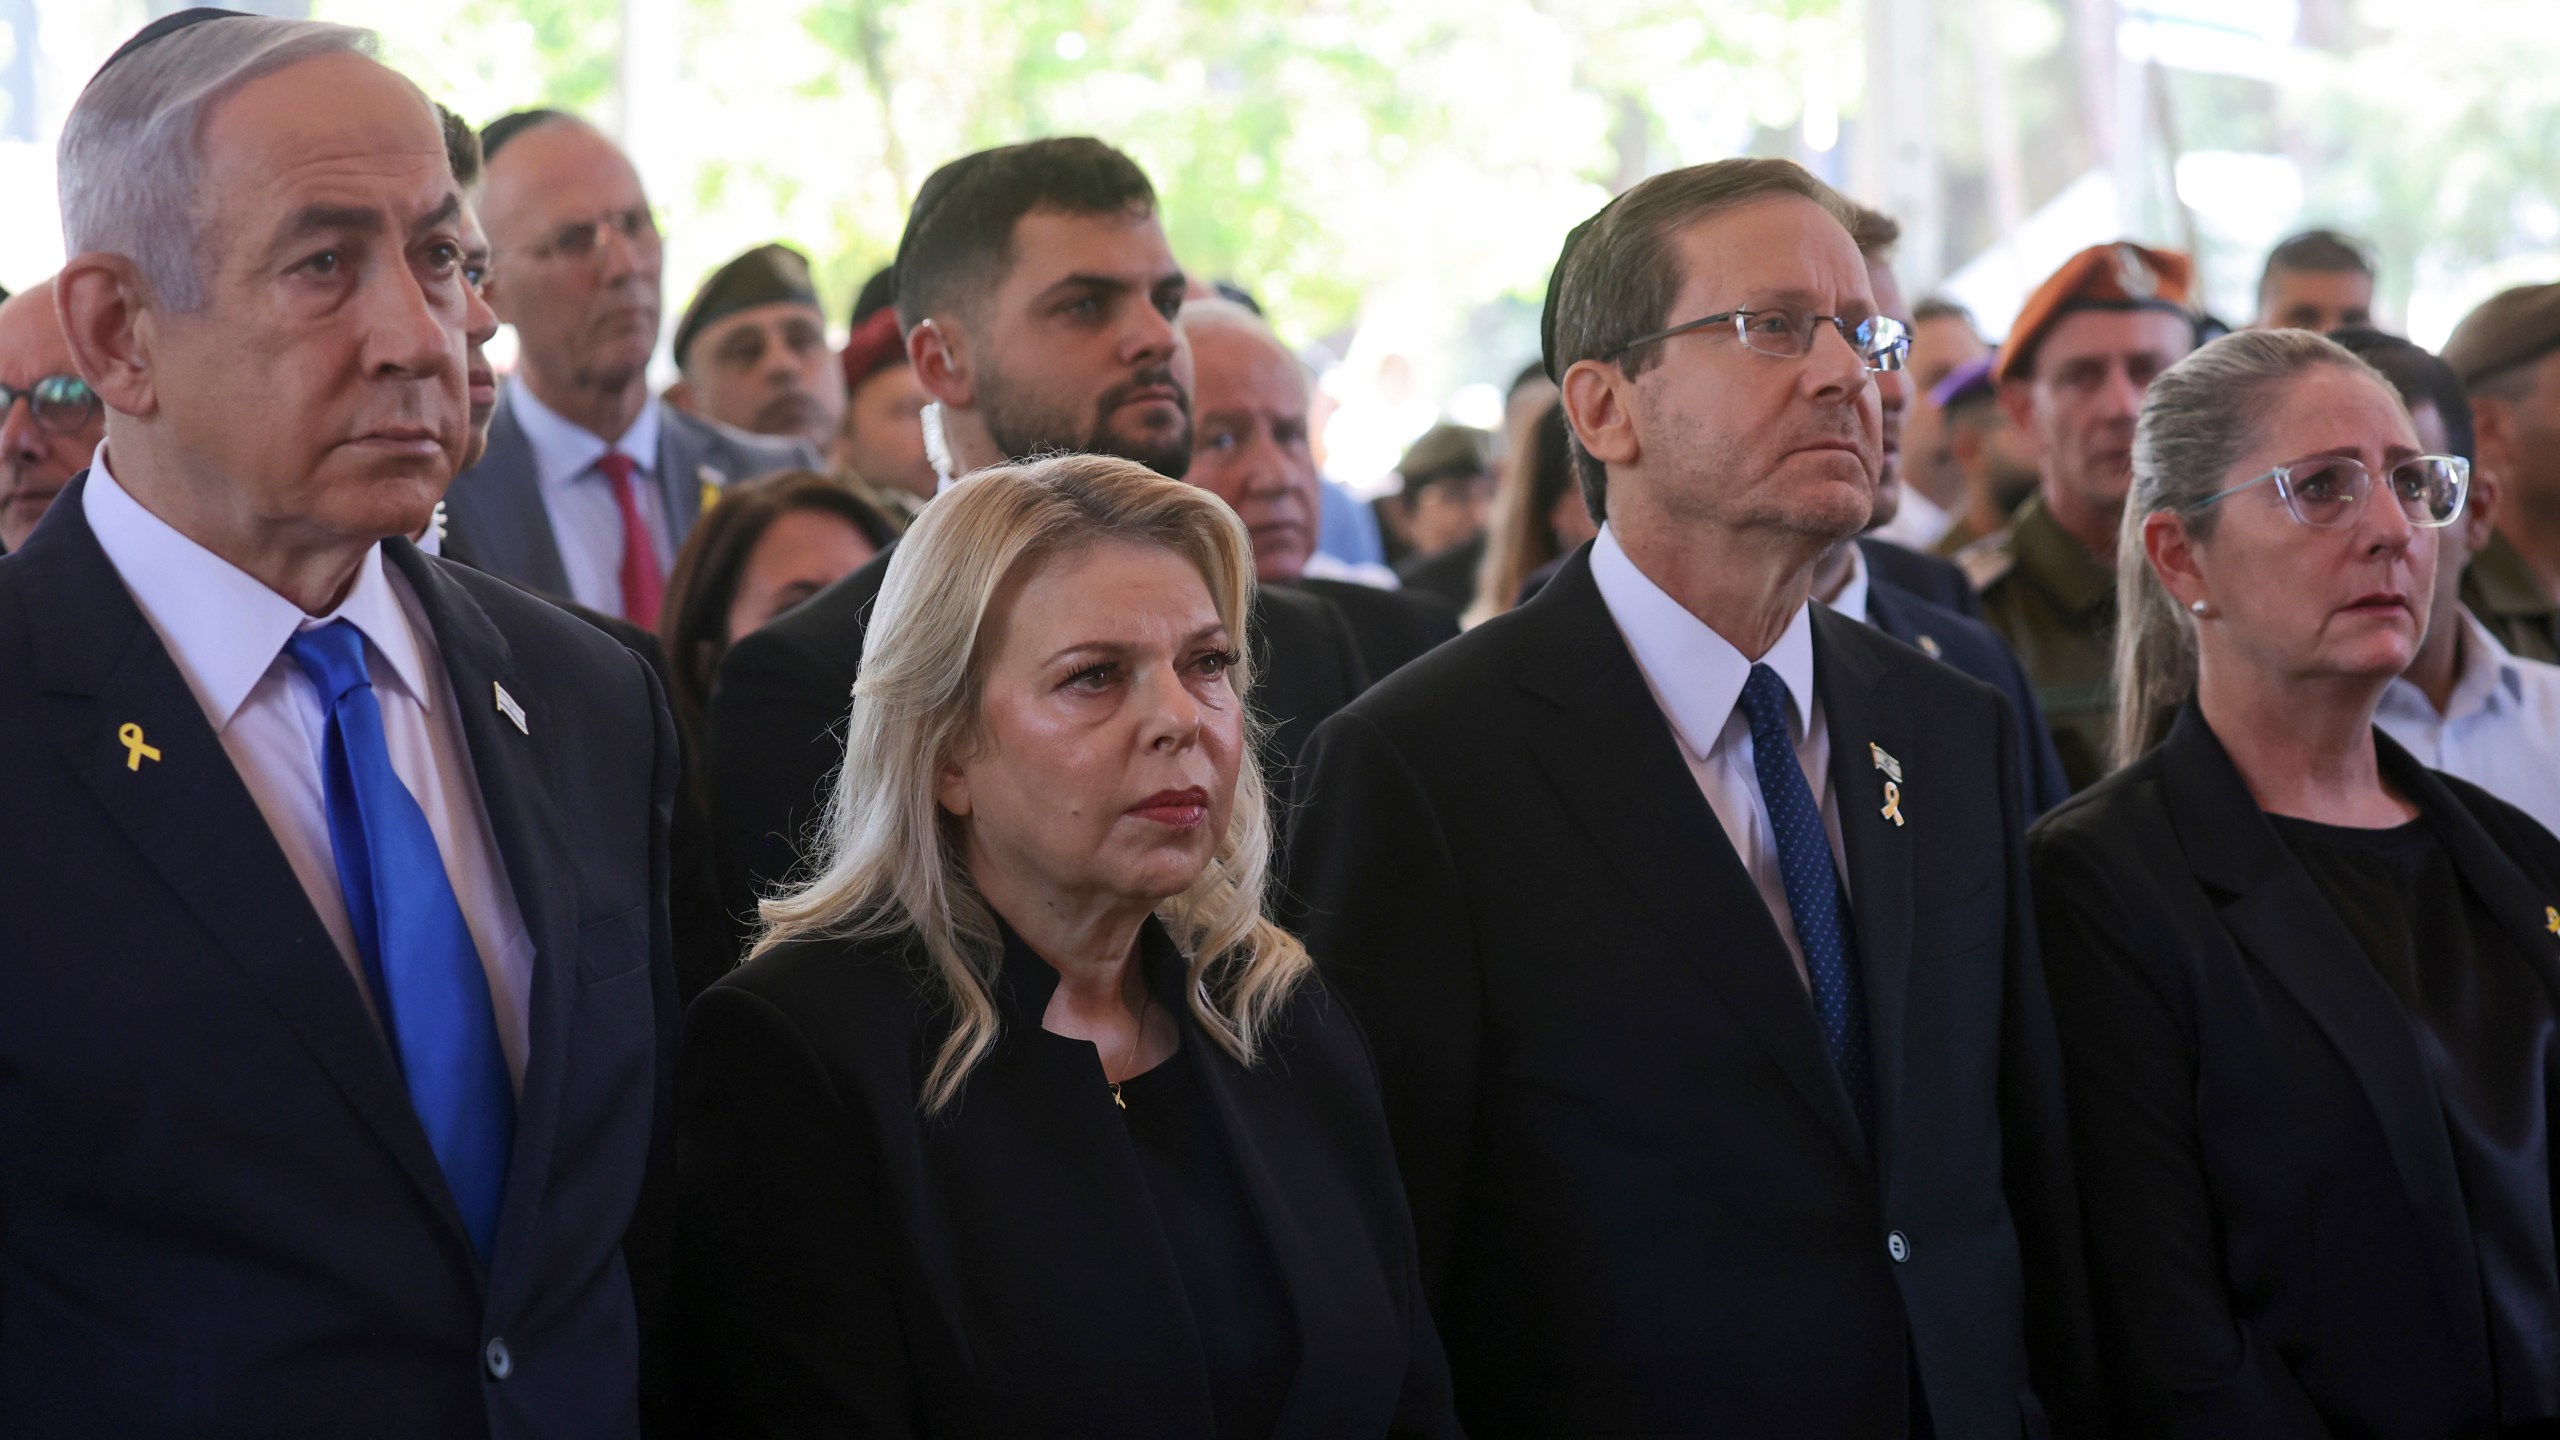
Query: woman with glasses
{"points": [[2309, 991]]}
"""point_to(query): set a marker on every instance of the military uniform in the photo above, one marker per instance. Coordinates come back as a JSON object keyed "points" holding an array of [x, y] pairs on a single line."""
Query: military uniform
{"points": [[2508, 597], [2055, 603]]}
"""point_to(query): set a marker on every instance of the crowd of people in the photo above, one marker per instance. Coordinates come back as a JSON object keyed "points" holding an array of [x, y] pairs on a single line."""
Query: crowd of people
{"points": [[1833, 879]]}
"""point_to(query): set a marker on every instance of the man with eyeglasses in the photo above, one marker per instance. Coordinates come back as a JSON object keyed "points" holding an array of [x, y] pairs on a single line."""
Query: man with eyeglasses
{"points": [[52, 424], [590, 483], [2081, 356], [1688, 919]]}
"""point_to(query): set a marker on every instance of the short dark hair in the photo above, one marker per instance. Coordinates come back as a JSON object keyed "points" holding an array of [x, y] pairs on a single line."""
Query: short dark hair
{"points": [[461, 148], [1939, 307], [2315, 251], [693, 624], [1621, 269], [2421, 378], [1875, 231], [512, 124], [959, 238]]}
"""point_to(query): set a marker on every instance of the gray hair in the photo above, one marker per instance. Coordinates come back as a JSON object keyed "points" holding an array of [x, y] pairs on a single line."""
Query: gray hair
{"points": [[2199, 418], [128, 163]]}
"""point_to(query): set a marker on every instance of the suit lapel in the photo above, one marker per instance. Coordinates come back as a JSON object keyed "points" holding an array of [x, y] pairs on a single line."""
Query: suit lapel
{"points": [[102, 667], [1619, 768], [501, 513], [2278, 915], [519, 789], [1848, 675]]}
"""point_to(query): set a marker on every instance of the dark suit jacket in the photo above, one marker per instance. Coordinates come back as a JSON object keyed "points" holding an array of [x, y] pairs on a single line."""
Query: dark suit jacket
{"points": [[1644, 1204], [495, 507], [850, 1267], [1392, 627], [220, 1215], [1940, 582], [2280, 1246], [779, 704], [1450, 574], [1978, 651]]}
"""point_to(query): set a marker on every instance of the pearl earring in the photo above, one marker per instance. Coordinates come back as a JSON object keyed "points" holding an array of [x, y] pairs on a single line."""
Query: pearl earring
{"points": [[2199, 607]]}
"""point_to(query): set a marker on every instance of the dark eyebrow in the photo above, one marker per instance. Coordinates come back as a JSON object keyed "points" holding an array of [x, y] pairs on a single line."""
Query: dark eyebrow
{"points": [[1110, 284], [443, 215]]}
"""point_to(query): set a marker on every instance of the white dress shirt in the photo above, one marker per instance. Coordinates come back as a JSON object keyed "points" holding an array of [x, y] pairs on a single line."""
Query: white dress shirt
{"points": [[578, 498], [227, 633], [2500, 729], [1697, 677]]}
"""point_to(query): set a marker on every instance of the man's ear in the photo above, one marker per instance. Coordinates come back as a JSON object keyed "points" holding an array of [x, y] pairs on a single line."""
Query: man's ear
{"points": [[680, 395], [939, 351], [2479, 509], [104, 305], [2493, 428], [2018, 402], [1598, 403]]}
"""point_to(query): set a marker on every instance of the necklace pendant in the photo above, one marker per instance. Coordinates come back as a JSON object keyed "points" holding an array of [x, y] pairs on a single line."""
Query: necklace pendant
{"points": [[1115, 1096]]}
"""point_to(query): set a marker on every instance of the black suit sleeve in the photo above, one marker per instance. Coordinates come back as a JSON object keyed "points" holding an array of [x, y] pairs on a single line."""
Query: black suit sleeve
{"points": [[2181, 1363], [790, 1325], [776, 736], [1386, 921], [2036, 1160], [2041, 763], [647, 1247]]}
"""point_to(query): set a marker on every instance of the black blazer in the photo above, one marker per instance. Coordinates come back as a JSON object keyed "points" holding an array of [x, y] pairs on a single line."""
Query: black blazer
{"points": [[1391, 627], [1978, 651], [220, 1215], [1644, 1204], [2279, 1241], [779, 705], [849, 1267], [1938, 581]]}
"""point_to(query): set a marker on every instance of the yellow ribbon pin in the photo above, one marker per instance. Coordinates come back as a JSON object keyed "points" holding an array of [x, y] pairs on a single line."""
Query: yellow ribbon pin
{"points": [[135, 751], [2551, 918], [1893, 802]]}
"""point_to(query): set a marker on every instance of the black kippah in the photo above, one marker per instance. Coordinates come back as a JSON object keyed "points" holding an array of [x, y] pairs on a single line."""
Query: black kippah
{"points": [[507, 127], [164, 27]]}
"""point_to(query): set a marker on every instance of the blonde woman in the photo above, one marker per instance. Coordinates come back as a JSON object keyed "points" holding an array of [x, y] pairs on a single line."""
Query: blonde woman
{"points": [[2309, 991], [1021, 1118]]}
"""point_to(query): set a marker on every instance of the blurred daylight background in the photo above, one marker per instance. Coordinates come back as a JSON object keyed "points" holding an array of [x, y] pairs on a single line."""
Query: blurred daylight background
{"points": [[1392, 177]]}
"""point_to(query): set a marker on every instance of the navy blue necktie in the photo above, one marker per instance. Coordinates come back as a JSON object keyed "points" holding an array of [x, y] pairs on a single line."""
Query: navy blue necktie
{"points": [[427, 982], [1814, 895]]}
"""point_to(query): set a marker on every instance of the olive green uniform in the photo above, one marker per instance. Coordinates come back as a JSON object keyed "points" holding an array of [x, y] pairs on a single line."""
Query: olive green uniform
{"points": [[2055, 604], [2508, 597]]}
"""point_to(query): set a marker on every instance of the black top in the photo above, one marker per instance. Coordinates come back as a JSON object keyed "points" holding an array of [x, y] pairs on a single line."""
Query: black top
{"points": [[2282, 1236], [848, 1265], [1234, 1295], [2486, 1026]]}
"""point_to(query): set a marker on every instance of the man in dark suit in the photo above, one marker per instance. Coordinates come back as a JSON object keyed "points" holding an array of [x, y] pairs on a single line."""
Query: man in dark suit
{"points": [[336, 1015], [1252, 447], [1688, 918], [1038, 294], [590, 483]]}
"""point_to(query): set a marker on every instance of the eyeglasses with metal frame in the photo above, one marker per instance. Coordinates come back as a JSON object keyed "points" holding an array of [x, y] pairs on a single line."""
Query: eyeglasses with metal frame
{"points": [[1784, 332], [60, 403], [2326, 491]]}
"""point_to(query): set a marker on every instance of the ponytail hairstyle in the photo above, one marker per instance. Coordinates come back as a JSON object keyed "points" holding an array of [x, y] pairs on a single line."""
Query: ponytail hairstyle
{"points": [[2200, 417]]}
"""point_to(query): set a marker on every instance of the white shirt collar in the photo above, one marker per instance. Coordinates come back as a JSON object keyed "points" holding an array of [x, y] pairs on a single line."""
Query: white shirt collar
{"points": [[2485, 670], [1852, 599], [564, 450], [1695, 672], [222, 627]]}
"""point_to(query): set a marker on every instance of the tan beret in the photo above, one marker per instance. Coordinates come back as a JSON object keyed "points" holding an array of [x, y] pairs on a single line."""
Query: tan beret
{"points": [[2510, 328]]}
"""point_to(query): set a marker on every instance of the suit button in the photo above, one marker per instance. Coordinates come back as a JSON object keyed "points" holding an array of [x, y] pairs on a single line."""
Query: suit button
{"points": [[1898, 1246], [497, 1359]]}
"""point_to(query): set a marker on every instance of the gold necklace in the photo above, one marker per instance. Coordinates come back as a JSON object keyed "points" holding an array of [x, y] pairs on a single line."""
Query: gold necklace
{"points": [[1145, 1000]]}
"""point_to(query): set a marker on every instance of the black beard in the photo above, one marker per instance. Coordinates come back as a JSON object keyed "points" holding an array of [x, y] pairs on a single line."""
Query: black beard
{"points": [[1026, 433]]}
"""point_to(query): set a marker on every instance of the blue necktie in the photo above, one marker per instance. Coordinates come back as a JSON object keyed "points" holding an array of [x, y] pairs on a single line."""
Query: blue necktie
{"points": [[427, 982], [1814, 896]]}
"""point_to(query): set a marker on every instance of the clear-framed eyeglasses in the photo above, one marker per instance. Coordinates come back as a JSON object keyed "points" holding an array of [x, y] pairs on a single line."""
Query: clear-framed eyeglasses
{"points": [[1786, 332], [2326, 491]]}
